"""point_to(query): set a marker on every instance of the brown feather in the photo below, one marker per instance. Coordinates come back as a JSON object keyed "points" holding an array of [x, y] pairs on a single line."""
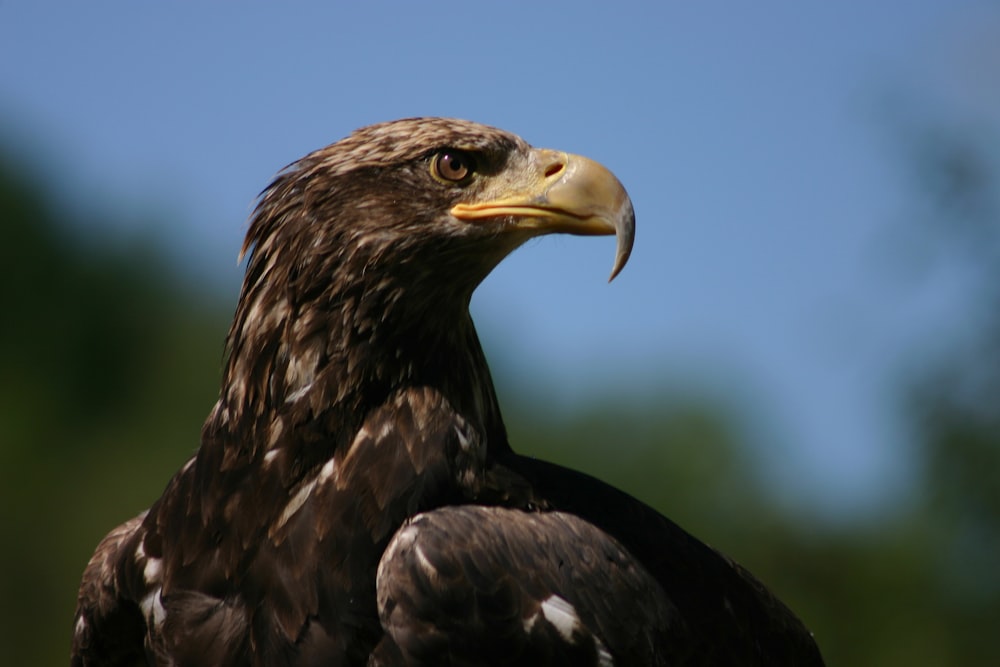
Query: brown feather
{"points": [[355, 395]]}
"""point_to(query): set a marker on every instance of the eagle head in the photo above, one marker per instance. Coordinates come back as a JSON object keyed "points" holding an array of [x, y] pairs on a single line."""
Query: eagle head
{"points": [[368, 250]]}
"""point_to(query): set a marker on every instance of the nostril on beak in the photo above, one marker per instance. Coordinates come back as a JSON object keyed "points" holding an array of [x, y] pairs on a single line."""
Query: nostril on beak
{"points": [[554, 169]]}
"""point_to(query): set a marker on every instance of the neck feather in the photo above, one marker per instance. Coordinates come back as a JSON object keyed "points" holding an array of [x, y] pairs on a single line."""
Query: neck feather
{"points": [[303, 373]]}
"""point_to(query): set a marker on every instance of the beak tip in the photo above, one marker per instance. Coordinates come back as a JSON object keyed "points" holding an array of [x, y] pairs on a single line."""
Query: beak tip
{"points": [[625, 233], [619, 265]]}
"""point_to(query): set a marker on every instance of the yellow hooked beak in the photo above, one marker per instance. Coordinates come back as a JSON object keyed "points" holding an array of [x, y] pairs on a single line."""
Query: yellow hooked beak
{"points": [[564, 193]]}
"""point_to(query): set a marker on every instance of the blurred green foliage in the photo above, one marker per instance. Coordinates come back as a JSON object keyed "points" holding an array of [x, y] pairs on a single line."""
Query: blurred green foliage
{"points": [[107, 369], [108, 365]]}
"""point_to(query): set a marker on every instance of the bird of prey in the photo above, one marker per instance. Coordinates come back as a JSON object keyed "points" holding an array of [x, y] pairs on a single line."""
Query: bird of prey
{"points": [[355, 499]]}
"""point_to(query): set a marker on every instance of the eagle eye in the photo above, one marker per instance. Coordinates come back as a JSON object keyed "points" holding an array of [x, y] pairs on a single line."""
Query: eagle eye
{"points": [[452, 166]]}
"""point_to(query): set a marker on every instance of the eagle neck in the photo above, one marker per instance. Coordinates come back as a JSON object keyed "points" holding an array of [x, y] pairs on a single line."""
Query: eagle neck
{"points": [[304, 379]]}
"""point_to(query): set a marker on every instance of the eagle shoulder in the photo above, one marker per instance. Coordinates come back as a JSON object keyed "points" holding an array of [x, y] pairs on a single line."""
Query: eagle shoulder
{"points": [[109, 623], [497, 586]]}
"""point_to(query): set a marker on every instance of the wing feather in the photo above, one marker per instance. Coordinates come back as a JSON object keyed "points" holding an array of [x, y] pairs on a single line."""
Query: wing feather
{"points": [[109, 626], [489, 585]]}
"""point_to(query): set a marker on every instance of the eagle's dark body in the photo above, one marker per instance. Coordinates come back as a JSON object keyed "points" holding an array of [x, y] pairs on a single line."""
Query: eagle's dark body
{"points": [[355, 500]]}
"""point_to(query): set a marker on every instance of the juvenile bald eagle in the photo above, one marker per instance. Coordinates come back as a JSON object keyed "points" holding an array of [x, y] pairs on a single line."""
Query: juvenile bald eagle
{"points": [[355, 500]]}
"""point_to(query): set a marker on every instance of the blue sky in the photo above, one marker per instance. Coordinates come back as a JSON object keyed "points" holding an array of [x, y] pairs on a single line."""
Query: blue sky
{"points": [[758, 147]]}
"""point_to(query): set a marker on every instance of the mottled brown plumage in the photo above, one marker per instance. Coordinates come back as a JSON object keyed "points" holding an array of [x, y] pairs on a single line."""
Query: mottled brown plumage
{"points": [[355, 499]]}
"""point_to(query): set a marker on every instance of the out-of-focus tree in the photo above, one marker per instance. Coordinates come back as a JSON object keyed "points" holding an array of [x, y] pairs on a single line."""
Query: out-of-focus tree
{"points": [[107, 367], [956, 401]]}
